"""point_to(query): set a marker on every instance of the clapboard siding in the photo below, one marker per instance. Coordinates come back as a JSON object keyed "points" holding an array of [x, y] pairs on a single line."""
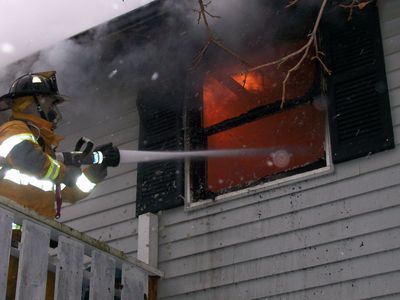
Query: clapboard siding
{"points": [[115, 232], [393, 79], [333, 237], [298, 281], [273, 268], [105, 218], [394, 296], [395, 96], [393, 62], [392, 45], [103, 203], [365, 288], [289, 247], [316, 200], [103, 129], [126, 244], [389, 28], [283, 224], [389, 11]]}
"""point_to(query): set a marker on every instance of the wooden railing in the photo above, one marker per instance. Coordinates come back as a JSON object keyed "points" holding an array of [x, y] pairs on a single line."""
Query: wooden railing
{"points": [[79, 262]]}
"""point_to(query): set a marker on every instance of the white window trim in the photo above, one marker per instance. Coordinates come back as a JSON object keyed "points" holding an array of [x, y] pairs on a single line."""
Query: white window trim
{"points": [[191, 205]]}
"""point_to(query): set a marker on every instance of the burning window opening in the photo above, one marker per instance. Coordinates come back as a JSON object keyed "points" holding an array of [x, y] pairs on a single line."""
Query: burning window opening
{"points": [[243, 111]]}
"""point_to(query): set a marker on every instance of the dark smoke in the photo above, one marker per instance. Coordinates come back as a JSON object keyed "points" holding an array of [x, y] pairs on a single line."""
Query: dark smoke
{"points": [[100, 72]]}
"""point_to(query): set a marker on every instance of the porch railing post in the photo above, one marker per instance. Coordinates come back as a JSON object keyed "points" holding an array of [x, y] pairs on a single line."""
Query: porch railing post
{"points": [[102, 277], [33, 262], [134, 282], [69, 269], [6, 219]]}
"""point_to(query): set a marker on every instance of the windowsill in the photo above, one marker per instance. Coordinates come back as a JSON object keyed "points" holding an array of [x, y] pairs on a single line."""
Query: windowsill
{"points": [[250, 191]]}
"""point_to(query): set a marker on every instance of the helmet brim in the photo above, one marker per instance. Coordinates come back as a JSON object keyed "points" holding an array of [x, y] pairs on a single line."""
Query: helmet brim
{"points": [[4, 105], [6, 100]]}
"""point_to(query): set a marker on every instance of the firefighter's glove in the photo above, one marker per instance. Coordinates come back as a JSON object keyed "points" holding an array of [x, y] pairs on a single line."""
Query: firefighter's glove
{"points": [[96, 173], [71, 174], [110, 154]]}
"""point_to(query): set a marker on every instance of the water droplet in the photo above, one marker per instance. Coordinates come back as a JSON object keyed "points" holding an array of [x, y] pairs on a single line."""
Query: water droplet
{"points": [[112, 74], [154, 76], [281, 158]]}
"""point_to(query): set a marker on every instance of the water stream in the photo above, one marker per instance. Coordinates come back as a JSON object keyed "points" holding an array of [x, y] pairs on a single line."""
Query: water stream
{"points": [[280, 154]]}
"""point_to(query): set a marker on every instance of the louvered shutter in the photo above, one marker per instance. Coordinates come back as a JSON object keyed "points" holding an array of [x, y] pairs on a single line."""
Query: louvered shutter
{"points": [[160, 184], [359, 109]]}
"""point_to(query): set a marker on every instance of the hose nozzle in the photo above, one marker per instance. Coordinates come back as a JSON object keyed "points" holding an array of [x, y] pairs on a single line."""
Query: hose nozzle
{"points": [[107, 155]]}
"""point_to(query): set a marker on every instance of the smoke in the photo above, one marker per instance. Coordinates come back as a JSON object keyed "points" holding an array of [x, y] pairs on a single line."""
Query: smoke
{"points": [[247, 26], [101, 72]]}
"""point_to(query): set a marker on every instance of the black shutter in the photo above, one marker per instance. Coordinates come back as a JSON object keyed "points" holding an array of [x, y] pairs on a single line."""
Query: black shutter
{"points": [[160, 184], [359, 108]]}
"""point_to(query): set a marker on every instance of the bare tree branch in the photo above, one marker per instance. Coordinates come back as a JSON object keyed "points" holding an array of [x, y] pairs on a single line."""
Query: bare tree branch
{"points": [[302, 53], [203, 13], [355, 4], [291, 3]]}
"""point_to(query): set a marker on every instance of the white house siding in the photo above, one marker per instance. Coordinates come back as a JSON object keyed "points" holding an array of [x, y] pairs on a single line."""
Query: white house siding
{"points": [[334, 237], [108, 214]]}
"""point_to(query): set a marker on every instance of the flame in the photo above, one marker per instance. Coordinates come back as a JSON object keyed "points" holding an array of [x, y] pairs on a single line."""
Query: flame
{"points": [[224, 100], [252, 82]]}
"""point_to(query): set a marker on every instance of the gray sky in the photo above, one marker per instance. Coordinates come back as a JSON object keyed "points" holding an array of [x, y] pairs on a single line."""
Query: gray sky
{"points": [[27, 26]]}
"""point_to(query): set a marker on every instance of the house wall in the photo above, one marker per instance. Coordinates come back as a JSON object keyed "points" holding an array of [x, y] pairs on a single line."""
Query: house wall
{"points": [[334, 237]]}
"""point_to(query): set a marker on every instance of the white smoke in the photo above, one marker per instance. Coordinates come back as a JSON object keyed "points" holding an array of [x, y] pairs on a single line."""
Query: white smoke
{"points": [[29, 26]]}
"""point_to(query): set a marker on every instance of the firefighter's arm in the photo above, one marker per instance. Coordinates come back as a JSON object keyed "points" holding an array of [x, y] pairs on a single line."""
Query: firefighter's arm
{"points": [[22, 152], [29, 158], [92, 175]]}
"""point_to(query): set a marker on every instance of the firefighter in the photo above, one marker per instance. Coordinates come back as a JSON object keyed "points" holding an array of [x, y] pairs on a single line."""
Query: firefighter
{"points": [[29, 172]]}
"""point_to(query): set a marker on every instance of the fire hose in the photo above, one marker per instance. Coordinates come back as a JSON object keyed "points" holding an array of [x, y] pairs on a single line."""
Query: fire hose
{"points": [[110, 156]]}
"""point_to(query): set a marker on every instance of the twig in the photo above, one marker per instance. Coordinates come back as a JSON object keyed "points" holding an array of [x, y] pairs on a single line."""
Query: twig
{"points": [[203, 13], [291, 3], [355, 4], [312, 41]]}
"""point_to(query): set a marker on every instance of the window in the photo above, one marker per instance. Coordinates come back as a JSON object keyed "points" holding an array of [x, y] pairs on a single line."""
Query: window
{"points": [[242, 111], [230, 110]]}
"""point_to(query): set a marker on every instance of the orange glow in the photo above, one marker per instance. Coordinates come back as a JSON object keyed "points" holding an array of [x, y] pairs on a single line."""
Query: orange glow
{"points": [[252, 82], [263, 87], [299, 132]]}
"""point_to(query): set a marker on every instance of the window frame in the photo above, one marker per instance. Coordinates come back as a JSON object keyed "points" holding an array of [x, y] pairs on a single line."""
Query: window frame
{"points": [[193, 204]]}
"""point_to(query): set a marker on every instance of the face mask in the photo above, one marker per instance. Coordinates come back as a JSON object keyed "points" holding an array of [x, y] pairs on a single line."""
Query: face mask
{"points": [[54, 116]]}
